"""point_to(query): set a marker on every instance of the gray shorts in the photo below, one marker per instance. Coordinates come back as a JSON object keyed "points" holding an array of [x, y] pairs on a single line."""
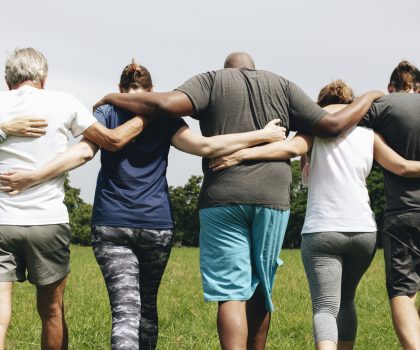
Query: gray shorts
{"points": [[401, 241], [42, 251]]}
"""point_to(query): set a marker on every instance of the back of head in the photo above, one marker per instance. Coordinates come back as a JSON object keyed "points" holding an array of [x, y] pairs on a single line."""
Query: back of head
{"points": [[239, 60], [25, 65], [135, 77], [405, 77], [336, 92]]}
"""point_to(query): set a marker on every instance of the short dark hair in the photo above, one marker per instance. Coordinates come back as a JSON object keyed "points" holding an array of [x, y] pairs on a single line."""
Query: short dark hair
{"points": [[405, 76]]}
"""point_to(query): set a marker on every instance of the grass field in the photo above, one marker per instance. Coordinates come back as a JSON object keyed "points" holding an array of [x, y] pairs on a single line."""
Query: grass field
{"points": [[186, 322]]}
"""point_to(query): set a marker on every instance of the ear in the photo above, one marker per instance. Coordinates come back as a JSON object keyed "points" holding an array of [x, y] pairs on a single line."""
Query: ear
{"points": [[391, 88], [149, 89]]}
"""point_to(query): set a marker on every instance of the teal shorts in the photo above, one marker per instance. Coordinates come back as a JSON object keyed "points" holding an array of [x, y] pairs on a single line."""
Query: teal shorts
{"points": [[239, 251]]}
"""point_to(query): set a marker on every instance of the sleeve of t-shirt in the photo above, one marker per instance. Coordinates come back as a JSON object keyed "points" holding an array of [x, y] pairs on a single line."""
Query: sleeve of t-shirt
{"points": [[373, 117], [198, 89], [100, 115], [80, 119], [304, 113], [175, 125]]}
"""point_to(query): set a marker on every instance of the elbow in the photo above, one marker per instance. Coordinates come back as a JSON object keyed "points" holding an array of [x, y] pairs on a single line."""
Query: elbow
{"points": [[293, 153], [208, 151], [329, 126], [114, 144], [331, 130], [403, 170], [86, 154]]}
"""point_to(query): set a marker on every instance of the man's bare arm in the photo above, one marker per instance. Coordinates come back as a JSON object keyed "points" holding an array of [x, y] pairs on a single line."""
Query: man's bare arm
{"points": [[342, 120], [151, 104], [16, 181], [115, 139]]}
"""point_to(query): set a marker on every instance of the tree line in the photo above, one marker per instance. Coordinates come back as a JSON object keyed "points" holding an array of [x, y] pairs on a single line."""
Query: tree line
{"points": [[185, 211]]}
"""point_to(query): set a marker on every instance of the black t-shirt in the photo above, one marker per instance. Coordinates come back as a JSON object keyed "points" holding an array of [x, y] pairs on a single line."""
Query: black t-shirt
{"points": [[397, 118], [240, 100]]}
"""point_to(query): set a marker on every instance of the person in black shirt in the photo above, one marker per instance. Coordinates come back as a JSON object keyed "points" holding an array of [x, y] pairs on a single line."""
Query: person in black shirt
{"points": [[397, 118]]}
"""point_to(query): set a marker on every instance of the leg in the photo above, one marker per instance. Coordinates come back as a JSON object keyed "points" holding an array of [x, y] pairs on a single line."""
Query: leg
{"points": [[258, 319], [226, 271], [268, 229], [12, 268], [401, 241], [119, 266], [355, 263], [153, 253], [406, 321], [5, 310], [321, 254], [232, 325], [50, 307]]}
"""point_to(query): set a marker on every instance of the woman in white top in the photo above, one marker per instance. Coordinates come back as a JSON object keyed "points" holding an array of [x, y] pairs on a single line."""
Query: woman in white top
{"points": [[339, 233]]}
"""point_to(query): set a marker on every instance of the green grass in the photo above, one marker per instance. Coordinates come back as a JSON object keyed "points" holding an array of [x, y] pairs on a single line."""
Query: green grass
{"points": [[186, 322]]}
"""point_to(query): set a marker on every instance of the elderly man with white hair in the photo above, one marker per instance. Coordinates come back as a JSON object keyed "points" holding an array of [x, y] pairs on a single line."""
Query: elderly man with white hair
{"points": [[34, 229]]}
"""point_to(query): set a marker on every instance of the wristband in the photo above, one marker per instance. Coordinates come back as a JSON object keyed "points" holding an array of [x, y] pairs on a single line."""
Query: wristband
{"points": [[3, 136]]}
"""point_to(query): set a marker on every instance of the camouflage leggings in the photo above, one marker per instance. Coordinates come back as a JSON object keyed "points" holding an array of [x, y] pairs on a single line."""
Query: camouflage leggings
{"points": [[132, 263]]}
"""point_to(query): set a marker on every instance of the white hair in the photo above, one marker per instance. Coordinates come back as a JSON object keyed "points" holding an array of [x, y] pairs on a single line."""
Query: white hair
{"points": [[25, 65]]}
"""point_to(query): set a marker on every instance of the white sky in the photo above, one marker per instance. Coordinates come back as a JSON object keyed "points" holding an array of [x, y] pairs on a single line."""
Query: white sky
{"points": [[87, 44]]}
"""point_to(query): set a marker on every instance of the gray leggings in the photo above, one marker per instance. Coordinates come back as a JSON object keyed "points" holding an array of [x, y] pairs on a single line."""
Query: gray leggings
{"points": [[334, 264]]}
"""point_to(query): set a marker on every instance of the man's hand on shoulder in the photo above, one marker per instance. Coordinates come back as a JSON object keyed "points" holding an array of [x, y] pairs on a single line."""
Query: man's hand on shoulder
{"points": [[24, 126]]}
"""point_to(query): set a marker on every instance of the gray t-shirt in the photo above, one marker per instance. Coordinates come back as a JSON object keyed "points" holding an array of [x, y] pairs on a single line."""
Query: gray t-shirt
{"points": [[240, 100], [397, 118]]}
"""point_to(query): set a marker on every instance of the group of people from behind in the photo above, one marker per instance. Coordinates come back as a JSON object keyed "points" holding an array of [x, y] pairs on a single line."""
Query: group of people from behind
{"points": [[244, 201]]}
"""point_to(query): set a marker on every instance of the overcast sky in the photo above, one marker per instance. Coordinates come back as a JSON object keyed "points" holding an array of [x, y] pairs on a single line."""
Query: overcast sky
{"points": [[87, 44]]}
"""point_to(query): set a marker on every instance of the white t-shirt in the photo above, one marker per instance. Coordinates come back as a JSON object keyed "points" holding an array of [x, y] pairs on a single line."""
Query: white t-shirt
{"points": [[338, 199], [41, 204]]}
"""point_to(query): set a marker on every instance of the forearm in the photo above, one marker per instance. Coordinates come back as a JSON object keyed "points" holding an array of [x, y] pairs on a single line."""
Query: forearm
{"points": [[411, 168], [72, 158], [392, 161], [152, 105], [220, 145], [115, 139], [282, 150], [15, 181], [135, 103]]}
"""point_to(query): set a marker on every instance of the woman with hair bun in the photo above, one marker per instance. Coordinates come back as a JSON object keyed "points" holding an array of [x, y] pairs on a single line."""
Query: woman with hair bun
{"points": [[339, 233]]}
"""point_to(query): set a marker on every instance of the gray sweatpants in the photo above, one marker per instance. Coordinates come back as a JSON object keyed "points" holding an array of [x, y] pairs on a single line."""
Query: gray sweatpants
{"points": [[334, 264]]}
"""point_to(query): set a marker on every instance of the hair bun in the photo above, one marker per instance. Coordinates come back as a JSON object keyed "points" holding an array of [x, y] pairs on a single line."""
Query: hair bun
{"points": [[135, 76], [134, 68]]}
